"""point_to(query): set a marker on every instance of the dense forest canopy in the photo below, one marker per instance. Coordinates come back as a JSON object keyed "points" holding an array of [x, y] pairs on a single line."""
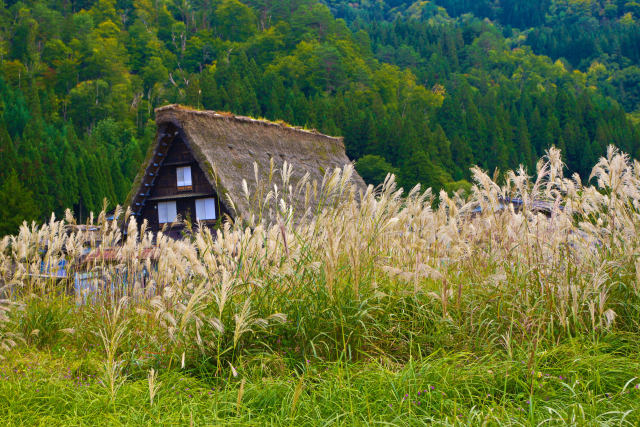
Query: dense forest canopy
{"points": [[423, 89]]}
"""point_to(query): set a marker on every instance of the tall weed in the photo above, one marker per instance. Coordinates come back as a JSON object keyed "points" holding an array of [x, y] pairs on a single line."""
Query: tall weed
{"points": [[380, 272]]}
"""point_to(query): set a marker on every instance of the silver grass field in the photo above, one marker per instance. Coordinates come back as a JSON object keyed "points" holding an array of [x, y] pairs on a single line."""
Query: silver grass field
{"points": [[386, 307]]}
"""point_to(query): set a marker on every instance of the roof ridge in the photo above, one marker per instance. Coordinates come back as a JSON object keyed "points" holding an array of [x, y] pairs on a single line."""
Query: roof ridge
{"points": [[245, 119]]}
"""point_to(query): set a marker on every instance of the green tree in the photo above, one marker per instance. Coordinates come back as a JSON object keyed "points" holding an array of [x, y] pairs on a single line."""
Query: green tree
{"points": [[154, 72], [374, 169], [234, 20], [16, 204], [8, 155]]}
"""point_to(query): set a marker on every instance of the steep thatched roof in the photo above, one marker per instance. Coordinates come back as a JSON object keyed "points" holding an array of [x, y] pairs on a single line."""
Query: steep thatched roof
{"points": [[226, 147]]}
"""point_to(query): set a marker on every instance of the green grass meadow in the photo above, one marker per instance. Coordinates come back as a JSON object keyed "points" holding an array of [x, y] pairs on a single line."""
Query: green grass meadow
{"points": [[577, 383]]}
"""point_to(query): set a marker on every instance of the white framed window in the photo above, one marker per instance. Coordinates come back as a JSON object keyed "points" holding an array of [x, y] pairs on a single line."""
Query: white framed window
{"points": [[205, 209], [184, 176], [167, 212]]}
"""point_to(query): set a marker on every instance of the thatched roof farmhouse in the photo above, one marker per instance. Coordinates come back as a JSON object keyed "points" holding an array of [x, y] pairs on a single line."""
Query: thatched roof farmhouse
{"points": [[196, 166]]}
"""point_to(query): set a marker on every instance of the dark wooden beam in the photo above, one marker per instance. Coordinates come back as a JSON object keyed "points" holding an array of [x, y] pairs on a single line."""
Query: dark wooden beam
{"points": [[180, 196]]}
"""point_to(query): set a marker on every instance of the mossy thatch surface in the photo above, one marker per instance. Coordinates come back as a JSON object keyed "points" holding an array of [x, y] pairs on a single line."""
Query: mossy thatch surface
{"points": [[226, 147]]}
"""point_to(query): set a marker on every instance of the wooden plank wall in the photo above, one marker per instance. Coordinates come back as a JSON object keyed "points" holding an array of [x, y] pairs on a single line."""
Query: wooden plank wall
{"points": [[166, 185], [178, 156]]}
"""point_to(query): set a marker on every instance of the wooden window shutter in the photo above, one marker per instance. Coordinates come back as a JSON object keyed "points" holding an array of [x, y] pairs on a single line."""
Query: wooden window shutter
{"points": [[167, 212], [205, 209], [184, 176]]}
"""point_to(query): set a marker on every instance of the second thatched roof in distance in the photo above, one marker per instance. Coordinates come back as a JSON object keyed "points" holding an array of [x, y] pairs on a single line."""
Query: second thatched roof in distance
{"points": [[226, 147]]}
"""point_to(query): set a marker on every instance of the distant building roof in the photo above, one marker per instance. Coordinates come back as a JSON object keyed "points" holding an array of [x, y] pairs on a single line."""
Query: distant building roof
{"points": [[114, 254], [518, 204]]}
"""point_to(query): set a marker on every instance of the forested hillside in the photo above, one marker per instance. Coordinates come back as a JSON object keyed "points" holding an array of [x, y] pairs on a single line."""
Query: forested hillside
{"points": [[423, 89]]}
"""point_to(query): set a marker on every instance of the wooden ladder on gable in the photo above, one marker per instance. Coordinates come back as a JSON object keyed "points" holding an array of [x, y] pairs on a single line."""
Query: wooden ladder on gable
{"points": [[151, 172]]}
